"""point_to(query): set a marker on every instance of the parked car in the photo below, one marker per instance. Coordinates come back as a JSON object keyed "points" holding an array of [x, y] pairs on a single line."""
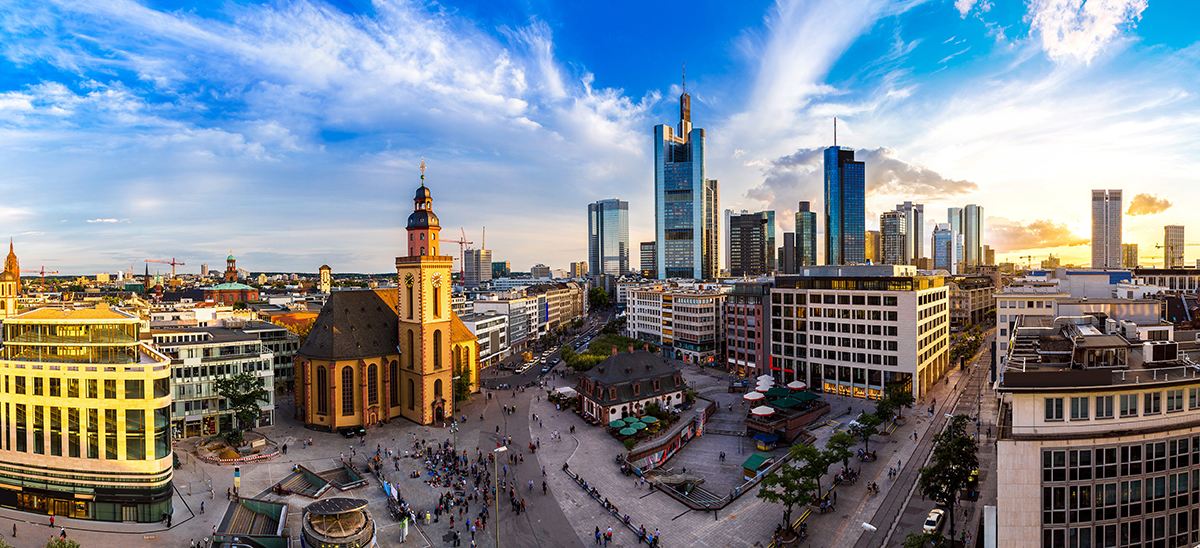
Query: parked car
{"points": [[545, 369], [354, 432], [933, 522]]}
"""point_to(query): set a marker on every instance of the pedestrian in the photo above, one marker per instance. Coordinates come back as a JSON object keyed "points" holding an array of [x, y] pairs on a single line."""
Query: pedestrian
{"points": [[14, 530], [52, 518], [201, 511], [597, 535]]}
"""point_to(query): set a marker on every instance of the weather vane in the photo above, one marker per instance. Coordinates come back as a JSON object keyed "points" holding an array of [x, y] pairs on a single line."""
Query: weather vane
{"points": [[422, 171]]}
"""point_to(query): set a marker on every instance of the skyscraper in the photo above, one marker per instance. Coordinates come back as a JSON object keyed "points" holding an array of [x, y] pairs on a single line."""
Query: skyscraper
{"points": [[649, 259], [943, 248], [685, 214], [1173, 246], [845, 207], [477, 267], [893, 233], [1106, 228], [608, 237], [968, 221], [806, 237], [871, 247], [750, 249], [1129, 256], [914, 218], [787, 254]]}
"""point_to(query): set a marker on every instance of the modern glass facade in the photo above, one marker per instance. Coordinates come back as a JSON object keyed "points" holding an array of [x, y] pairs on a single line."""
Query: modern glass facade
{"points": [[845, 208], [973, 235], [686, 219], [943, 253], [914, 218], [608, 237], [893, 229], [1106, 228], [477, 266], [84, 413], [750, 243], [806, 237]]}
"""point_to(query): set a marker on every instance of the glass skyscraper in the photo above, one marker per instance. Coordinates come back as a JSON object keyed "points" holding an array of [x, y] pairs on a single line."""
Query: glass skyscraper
{"points": [[845, 207], [686, 219], [1106, 229], [806, 237], [608, 237]]}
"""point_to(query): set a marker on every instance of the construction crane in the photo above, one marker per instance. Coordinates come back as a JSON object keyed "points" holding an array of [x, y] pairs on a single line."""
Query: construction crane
{"points": [[1171, 252], [171, 262], [462, 255], [43, 273], [1028, 261]]}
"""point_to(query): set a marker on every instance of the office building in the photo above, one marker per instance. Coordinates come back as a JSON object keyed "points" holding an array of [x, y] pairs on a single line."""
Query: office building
{"points": [[1097, 442], [787, 254], [523, 317], [973, 231], [914, 219], [608, 237], [747, 332], [477, 267], [845, 207], [1106, 228], [851, 330], [563, 302], [377, 355], [893, 236], [203, 271], [750, 246], [1024, 297], [649, 260], [947, 248], [540, 272], [806, 237], [971, 299], [1129, 256], [871, 247], [989, 255], [1052, 262], [491, 332], [578, 270], [686, 323], [86, 417], [501, 269], [686, 203], [1173, 246]]}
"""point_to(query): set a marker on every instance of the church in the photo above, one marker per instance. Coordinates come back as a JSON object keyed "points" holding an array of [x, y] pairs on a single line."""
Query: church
{"points": [[377, 355]]}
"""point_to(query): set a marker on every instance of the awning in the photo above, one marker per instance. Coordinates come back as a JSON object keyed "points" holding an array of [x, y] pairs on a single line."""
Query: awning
{"points": [[762, 411], [797, 385], [753, 396], [805, 396], [766, 378], [778, 392], [785, 403], [767, 438], [756, 460]]}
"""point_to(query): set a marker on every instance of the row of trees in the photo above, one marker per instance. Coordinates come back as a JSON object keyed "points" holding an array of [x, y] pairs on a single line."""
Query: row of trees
{"points": [[955, 457]]}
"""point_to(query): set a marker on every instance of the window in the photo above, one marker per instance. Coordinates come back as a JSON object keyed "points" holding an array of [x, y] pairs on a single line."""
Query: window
{"points": [[1193, 398], [412, 350], [1129, 405], [1079, 409], [37, 386], [93, 434], [322, 390], [1152, 403], [1174, 400], [19, 384], [110, 434], [1104, 407], [437, 388], [110, 390], [1054, 409], [372, 386], [347, 391], [889, 301], [393, 384], [437, 348], [135, 389], [55, 387], [135, 434], [412, 394]]}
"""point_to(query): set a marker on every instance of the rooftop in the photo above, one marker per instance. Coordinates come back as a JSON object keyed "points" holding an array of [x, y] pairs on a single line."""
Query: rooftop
{"points": [[100, 312]]}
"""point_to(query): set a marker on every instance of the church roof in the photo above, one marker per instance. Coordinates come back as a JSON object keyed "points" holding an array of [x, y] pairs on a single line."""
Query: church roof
{"points": [[363, 324], [232, 285], [6, 276]]}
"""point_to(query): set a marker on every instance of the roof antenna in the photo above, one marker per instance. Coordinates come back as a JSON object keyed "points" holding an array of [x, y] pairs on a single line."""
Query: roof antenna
{"points": [[685, 77], [835, 131]]}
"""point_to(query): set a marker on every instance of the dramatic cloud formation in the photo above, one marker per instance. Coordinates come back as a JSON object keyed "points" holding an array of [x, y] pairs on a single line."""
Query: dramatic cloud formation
{"points": [[801, 173], [1005, 235], [1078, 29], [1147, 204]]}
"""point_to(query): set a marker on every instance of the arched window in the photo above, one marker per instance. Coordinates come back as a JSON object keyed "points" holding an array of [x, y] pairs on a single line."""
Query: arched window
{"points": [[372, 385], [410, 301], [393, 384], [322, 390], [437, 388], [422, 250], [347, 391], [412, 350], [437, 302], [422, 236], [412, 393], [437, 348]]}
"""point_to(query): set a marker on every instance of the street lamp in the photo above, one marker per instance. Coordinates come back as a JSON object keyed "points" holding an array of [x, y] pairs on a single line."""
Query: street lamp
{"points": [[496, 491], [868, 527]]}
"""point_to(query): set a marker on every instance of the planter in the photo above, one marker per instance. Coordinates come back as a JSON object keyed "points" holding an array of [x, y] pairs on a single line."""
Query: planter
{"points": [[900, 421]]}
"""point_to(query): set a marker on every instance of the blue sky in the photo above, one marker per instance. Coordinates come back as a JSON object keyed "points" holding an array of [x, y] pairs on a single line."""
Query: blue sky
{"points": [[290, 132]]}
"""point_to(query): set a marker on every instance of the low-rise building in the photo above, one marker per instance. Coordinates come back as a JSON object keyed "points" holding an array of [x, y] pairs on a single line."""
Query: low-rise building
{"points": [[491, 331], [230, 293], [1183, 280], [626, 382], [1025, 297], [523, 318], [971, 298], [686, 323], [747, 330]]}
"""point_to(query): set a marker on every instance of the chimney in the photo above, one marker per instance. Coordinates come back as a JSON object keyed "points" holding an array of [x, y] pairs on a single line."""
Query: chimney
{"points": [[631, 349], [646, 347], [614, 351]]}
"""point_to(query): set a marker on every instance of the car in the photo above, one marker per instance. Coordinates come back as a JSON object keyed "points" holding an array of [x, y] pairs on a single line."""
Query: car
{"points": [[555, 362], [933, 521], [545, 369], [354, 432]]}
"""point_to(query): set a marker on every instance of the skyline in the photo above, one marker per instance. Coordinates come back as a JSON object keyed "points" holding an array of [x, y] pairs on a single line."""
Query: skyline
{"points": [[290, 133]]}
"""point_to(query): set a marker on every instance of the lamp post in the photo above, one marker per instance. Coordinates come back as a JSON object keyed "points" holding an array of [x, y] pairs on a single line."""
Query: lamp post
{"points": [[868, 527], [496, 491]]}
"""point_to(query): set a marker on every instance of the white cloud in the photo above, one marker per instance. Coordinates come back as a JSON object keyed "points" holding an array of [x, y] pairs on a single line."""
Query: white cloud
{"points": [[1079, 29], [108, 220]]}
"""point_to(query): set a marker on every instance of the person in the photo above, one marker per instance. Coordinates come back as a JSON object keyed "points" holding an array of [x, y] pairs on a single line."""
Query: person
{"points": [[201, 511], [14, 530], [52, 518], [597, 535]]}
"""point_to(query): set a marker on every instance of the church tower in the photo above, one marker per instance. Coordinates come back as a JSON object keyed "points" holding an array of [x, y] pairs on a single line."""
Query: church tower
{"points": [[10, 284], [231, 274], [423, 306], [12, 265], [325, 283]]}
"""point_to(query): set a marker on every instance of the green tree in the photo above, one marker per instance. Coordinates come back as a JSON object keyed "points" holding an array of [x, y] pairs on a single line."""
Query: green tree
{"points": [[597, 297], [955, 456], [462, 383], [839, 446], [789, 486], [816, 463], [896, 397], [244, 391], [239, 305], [924, 540], [868, 425]]}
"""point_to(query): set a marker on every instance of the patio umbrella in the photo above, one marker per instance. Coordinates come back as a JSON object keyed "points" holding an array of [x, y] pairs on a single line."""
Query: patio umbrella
{"points": [[638, 425], [797, 385], [649, 419], [628, 431], [762, 410], [778, 392], [753, 396], [619, 423], [763, 387], [766, 378]]}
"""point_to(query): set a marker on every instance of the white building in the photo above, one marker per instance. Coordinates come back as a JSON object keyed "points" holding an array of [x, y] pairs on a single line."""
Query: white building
{"points": [[852, 330], [491, 329], [686, 323], [524, 321]]}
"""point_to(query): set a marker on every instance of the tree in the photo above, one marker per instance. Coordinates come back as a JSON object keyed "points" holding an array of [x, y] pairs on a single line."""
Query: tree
{"points": [[839, 446], [789, 486], [54, 543], [955, 456], [816, 463], [239, 305], [896, 397], [301, 329], [244, 392], [597, 297], [924, 540], [462, 383], [868, 425]]}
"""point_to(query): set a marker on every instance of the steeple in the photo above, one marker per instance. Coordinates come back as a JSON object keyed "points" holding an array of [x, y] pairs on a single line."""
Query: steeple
{"points": [[685, 108], [11, 264], [423, 226]]}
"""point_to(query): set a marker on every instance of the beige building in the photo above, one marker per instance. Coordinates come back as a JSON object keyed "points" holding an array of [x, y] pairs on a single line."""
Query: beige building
{"points": [[85, 413], [686, 323], [971, 298]]}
